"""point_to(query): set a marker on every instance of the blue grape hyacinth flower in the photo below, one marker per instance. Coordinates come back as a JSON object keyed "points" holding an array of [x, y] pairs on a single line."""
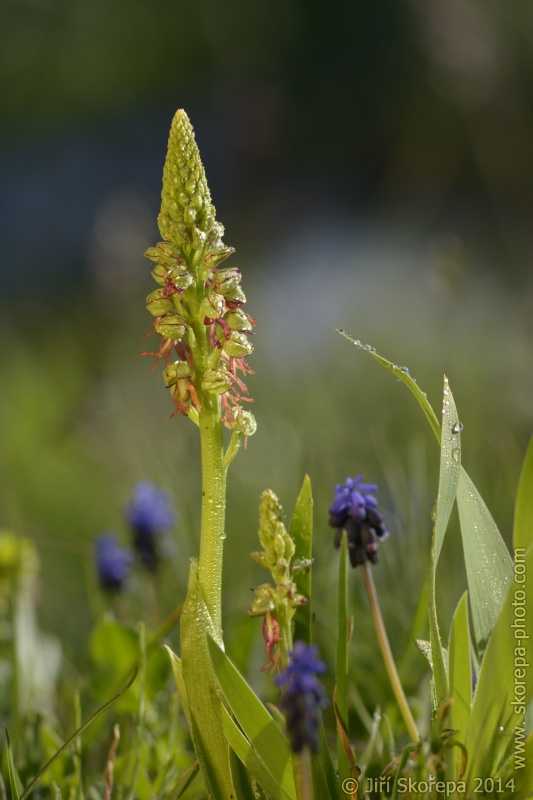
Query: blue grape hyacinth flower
{"points": [[113, 563], [149, 515], [355, 510], [304, 696]]}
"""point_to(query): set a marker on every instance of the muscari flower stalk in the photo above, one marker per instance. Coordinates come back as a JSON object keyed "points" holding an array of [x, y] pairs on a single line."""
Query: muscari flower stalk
{"points": [[113, 563], [303, 697], [149, 515], [355, 511], [278, 602]]}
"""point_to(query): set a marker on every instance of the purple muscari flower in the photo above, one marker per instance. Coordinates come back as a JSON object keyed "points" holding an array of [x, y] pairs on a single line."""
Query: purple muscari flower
{"points": [[149, 515], [112, 562], [355, 510], [303, 697]]}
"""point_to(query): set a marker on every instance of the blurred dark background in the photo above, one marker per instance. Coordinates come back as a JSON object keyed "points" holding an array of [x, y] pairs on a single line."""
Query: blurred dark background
{"points": [[372, 162]]}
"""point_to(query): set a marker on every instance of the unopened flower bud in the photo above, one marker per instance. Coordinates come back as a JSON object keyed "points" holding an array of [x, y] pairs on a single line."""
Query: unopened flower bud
{"points": [[158, 304], [165, 254], [216, 381], [237, 345], [216, 257], [172, 326], [212, 306], [238, 320], [173, 372], [235, 297]]}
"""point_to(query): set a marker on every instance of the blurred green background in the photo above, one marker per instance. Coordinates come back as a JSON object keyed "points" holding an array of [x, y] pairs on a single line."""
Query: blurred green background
{"points": [[372, 162]]}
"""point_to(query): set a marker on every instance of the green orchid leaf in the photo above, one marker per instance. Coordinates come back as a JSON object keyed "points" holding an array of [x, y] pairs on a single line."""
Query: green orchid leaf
{"points": [[269, 742], [203, 694], [255, 765]]}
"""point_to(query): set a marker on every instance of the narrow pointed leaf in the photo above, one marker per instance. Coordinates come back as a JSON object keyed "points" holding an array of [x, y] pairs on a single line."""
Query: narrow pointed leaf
{"points": [[269, 742], [202, 689], [450, 461], [488, 564], [301, 531], [523, 519], [450, 464], [15, 783], [460, 667], [254, 763], [177, 671], [489, 568], [184, 782], [505, 676], [402, 374]]}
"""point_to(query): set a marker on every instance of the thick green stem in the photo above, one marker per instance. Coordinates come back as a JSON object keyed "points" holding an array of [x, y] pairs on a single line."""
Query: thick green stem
{"points": [[212, 532], [202, 615], [388, 658]]}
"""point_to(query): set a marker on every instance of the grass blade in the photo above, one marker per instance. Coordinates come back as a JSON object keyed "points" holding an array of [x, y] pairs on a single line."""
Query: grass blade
{"points": [[14, 780], [489, 569], [402, 374], [450, 462], [184, 782], [74, 736], [496, 719], [488, 564], [523, 518]]}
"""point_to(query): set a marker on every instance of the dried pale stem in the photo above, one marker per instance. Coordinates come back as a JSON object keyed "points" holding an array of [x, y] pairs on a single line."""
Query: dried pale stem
{"points": [[386, 652]]}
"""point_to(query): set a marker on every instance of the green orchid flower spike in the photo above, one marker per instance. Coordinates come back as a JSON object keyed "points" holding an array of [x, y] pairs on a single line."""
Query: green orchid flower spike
{"points": [[277, 603], [199, 316], [198, 308]]}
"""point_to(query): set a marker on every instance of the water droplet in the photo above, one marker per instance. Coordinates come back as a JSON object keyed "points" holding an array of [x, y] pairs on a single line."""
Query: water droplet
{"points": [[405, 370], [501, 728], [456, 454], [458, 427], [367, 348]]}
